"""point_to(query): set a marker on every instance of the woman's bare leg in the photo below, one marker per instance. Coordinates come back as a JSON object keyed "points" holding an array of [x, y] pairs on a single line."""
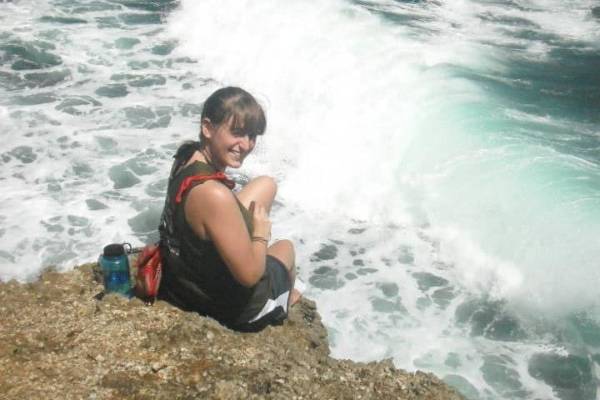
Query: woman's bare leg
{"points": [[283, 250], [261, 189]]}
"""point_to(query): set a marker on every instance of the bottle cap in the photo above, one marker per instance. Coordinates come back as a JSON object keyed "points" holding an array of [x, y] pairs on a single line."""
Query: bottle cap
{"points": [[114, 250]]}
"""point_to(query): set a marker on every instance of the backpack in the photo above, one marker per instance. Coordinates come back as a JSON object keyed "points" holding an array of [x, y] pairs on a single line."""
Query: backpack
{"points": [[148, 273]]}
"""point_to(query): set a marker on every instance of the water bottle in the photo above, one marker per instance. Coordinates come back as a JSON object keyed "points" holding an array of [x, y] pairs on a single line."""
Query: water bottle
{"points": [[115, 269]]}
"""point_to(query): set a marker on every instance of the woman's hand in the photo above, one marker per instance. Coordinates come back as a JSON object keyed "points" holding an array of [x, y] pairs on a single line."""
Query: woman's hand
{"points": [[260, 221]]}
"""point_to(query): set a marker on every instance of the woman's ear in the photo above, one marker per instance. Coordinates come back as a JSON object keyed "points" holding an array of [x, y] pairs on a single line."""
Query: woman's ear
{"points": [[206, 128]]}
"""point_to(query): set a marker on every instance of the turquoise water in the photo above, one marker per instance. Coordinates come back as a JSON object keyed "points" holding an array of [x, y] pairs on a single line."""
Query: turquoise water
{"points": [[438, 162]]}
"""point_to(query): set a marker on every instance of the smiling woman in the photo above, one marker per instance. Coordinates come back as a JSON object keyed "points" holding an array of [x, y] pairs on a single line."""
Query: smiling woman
{"points": [[215, 241]]}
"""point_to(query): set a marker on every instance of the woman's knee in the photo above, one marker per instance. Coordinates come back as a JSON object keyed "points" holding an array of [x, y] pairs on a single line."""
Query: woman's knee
{"points": [[266, 183], [261, 189]]}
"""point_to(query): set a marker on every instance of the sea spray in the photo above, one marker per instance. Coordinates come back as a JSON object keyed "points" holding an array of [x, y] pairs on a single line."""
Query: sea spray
{"points": [[368, 107]]}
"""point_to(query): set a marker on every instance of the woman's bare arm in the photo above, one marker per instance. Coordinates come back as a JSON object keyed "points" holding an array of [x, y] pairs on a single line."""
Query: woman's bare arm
{"points": [[213, 213]]}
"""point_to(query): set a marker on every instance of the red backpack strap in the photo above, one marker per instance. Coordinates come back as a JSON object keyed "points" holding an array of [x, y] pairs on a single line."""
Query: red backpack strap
{"points": [[187, 182]]}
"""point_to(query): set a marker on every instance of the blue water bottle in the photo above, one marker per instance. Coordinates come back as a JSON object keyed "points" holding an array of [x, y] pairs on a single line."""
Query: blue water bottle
{"points": [[115, 269]]}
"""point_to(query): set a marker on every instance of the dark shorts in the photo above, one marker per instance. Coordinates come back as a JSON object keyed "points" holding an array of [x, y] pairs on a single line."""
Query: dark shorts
{"points": [[274, 312]]}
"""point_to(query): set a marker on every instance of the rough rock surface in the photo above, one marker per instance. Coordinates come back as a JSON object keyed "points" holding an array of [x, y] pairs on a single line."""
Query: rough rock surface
{"points": [[59, 341]]}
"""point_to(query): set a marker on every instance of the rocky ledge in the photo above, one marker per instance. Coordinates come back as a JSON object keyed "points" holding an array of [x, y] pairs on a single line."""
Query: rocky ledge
{"points": [[60, 340]]}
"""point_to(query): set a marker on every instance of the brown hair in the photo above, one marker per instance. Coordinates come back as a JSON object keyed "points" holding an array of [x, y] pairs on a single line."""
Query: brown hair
{"points": [[236, 106]]}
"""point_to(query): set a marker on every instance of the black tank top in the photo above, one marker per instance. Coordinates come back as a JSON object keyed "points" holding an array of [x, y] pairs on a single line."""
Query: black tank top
{"points": [[195, 277]]}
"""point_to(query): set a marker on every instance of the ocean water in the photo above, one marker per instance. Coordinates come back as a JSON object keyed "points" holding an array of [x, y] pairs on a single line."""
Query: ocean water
{"points": [[438, 162]]}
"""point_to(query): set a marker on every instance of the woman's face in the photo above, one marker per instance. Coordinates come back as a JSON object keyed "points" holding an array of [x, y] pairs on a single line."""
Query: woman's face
{"points": [[228, 146]]}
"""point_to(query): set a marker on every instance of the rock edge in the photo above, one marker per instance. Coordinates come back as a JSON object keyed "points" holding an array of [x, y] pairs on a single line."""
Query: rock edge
{"points": [[59, 341]]}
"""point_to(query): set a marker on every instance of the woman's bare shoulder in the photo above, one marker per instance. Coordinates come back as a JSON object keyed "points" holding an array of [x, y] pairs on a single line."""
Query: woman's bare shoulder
{"points": [[209, 205], [211, 194]]}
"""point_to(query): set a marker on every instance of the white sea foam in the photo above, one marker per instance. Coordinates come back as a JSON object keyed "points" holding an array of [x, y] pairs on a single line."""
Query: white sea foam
{"points": [[45, 217], [354, 108]]}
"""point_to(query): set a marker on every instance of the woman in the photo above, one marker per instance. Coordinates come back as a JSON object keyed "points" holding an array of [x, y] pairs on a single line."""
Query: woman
{"points": [[215, 242]]}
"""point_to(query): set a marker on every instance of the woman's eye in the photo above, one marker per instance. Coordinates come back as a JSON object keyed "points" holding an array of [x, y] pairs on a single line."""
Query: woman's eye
{"points": [[241, 134]]}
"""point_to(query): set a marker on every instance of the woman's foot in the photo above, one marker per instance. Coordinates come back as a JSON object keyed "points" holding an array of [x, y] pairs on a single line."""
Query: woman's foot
{"points": [[295, 296]]}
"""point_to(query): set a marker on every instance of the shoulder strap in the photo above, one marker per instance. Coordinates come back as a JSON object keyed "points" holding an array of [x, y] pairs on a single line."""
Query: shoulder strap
{"points": [[187, 182]]}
